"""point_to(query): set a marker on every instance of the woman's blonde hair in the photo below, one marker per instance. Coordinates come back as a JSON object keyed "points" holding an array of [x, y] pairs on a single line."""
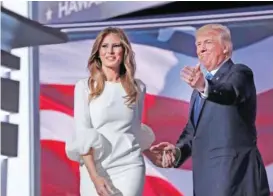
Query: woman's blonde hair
{"points": [[97, 78]]}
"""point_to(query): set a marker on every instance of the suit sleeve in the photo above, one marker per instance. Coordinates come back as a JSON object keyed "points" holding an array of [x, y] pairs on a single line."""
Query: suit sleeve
{"points": [[85, 136], [238, 87], [184, 145]]}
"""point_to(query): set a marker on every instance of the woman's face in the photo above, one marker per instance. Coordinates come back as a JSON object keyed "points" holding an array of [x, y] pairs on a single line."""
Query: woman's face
{"points": [[111, 51]]}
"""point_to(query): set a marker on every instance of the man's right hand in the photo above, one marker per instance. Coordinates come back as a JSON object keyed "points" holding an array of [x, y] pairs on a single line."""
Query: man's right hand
{"points": [[168, 150], [163, 146]]}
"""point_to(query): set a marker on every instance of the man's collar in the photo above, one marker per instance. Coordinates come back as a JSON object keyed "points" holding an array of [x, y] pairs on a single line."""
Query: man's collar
{"points": [[213, 72]]}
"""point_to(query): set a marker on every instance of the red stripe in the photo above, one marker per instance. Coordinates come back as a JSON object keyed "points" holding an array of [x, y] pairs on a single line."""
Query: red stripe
{"points": [[60, 176], [57, 97], [265, 109], [158, 187], [166, 116], [46, 103]]}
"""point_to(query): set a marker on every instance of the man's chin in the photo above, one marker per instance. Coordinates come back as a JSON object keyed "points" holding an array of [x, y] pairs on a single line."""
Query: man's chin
{"points": [[204, 63]]}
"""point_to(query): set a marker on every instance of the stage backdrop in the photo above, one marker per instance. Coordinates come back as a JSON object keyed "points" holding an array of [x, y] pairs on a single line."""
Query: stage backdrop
{"points": [[160, 53]]}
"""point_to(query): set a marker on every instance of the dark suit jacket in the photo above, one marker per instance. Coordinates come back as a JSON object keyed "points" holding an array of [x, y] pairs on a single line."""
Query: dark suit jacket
{"points": [[226, 161]]}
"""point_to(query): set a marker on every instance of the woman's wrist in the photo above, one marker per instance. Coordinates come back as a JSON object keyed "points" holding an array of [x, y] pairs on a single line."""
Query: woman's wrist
{"points": [[94, 176]]}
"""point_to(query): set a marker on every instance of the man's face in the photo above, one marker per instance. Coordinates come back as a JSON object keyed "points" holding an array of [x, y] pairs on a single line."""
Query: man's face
{"points": [[210, 49]]}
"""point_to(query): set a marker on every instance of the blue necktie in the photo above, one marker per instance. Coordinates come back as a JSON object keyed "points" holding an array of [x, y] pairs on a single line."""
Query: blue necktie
{"points": [[197, 103], [209, 76]]}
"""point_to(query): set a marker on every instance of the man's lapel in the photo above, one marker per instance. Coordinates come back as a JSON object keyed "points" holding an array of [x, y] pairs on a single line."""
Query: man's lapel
{"points": [[220, 73], [202, 103], [194, 94]]}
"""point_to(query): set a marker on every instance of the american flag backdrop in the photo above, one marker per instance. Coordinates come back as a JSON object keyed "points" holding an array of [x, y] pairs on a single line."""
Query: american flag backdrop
{"points": [[160, 54]]}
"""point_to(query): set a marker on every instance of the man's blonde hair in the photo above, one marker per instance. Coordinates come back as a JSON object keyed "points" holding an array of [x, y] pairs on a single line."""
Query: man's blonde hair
{"points": [[224, 35]]}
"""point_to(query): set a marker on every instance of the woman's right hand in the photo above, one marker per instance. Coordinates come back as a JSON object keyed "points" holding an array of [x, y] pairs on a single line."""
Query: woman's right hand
{"points": [[102, 186]]}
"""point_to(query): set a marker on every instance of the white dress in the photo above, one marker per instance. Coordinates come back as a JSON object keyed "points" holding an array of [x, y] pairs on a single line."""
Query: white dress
{"points": [[117, 135]]}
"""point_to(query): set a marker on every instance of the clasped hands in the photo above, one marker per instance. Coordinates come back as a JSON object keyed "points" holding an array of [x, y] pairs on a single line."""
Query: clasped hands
{"points": [[194, 77], [163, 154]]}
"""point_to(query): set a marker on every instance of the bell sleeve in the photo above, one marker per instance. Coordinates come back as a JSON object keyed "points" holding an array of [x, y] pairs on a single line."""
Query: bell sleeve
{"points": [[146, 134], [85, 136]]}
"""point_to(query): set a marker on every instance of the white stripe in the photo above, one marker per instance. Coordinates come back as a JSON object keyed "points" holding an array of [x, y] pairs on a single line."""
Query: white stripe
{"points": [[158, 68], [55, 125], [153, 66], [259, 57]]}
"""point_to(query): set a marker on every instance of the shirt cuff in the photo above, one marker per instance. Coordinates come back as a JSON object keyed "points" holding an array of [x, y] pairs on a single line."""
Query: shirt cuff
{"points": [[177, 155]]}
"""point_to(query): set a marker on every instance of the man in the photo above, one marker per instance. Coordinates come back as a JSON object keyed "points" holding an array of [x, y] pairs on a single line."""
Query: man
{"points": [[220, 134]]}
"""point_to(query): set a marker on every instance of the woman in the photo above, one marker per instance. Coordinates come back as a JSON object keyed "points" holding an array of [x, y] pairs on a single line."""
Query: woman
{"points": [[109, 137]]}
